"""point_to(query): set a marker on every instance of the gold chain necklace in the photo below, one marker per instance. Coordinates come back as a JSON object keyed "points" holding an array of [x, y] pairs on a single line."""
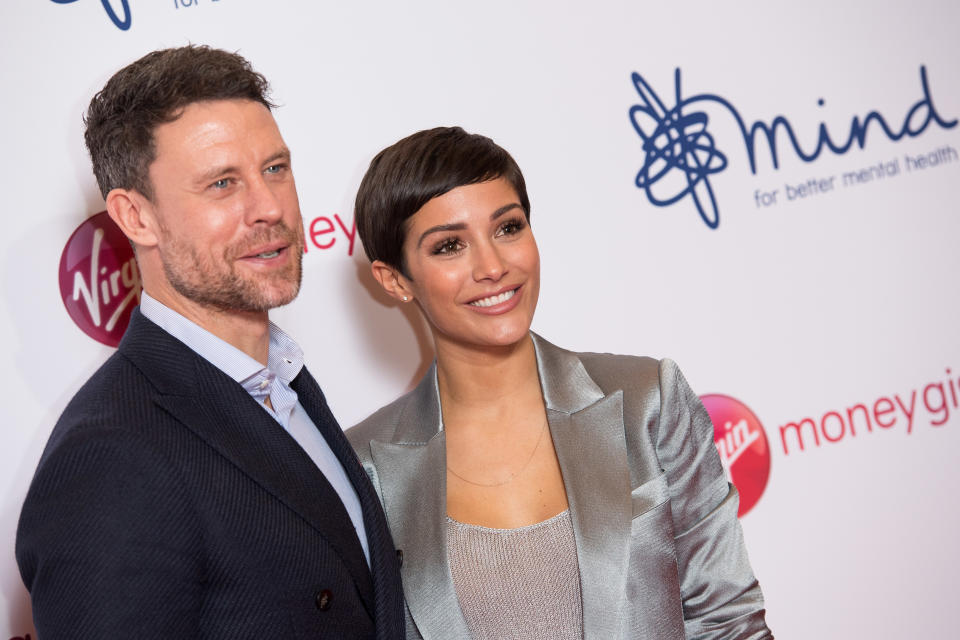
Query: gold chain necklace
{"points": [[512, 475]]}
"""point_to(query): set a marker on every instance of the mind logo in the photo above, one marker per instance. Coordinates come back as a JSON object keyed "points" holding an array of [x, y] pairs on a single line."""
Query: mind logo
{"points": [[122, 23], [680, 155], [99, 279], [742, 445]]}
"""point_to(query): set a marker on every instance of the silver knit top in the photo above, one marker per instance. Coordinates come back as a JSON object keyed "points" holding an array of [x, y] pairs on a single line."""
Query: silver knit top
{"points": [[518, 583]]}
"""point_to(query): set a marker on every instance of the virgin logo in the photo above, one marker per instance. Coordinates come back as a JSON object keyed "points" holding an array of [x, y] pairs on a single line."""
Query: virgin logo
{"points": [[742, 445], [99, 279]]}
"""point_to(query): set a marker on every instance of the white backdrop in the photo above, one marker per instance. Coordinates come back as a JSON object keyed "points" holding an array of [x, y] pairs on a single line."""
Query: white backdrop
{"points": [[796, 307]]}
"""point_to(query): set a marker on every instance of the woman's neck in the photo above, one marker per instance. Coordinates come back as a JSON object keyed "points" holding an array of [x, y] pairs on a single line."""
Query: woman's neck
{"points": [[487, 382]]}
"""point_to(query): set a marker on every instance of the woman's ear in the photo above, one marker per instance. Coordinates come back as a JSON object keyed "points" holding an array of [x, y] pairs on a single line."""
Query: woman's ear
{"points": [[392, 281]]}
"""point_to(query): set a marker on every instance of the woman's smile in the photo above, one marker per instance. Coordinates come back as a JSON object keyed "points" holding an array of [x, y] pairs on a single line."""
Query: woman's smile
{"points": [[497, 302], [473, 265]]}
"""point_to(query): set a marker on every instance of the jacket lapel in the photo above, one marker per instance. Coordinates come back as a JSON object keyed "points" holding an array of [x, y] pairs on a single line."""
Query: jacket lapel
{"points": [[412, 475], [385, 569], [588, 435], [222, 414]]}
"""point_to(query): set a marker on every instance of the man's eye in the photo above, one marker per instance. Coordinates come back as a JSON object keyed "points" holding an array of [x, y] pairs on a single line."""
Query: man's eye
{"points": [[275, 168], [222, 183]]}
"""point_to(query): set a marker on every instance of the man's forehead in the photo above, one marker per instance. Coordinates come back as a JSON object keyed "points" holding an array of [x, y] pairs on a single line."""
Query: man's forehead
{"points": [[238, 111], [220, 123]]}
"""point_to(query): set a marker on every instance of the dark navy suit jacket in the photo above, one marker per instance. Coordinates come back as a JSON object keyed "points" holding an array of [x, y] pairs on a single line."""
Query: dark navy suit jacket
{"points": [[169, 504]]}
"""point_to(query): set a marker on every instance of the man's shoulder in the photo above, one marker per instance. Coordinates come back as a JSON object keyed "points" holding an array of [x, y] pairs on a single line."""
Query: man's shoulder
{"points": [[116, 388], [116, 381]]}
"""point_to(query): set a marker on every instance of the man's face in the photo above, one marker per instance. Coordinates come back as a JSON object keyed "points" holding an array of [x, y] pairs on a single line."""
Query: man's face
{"points": [[230, 233]]}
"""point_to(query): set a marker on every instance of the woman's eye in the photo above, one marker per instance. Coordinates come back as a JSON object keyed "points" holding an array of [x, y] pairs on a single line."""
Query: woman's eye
{"points": [[510, 227], [450, 245]]}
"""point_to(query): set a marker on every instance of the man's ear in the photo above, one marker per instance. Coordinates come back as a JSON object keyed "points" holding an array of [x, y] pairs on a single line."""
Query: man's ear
{"points": [[134, 214], [393, 282]]}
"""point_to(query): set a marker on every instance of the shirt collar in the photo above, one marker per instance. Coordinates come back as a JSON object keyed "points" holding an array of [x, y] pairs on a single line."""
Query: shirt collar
{"points": [[284, 355]]}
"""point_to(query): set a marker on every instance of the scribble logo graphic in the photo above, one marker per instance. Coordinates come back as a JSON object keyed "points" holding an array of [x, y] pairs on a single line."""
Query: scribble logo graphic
{"points": [[678, 147], [122, 23], [680, 154], [742, 444], [99, 279]]}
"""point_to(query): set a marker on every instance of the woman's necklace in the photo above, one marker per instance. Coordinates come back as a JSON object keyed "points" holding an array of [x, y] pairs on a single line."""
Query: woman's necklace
{"points": [[513, 475]]}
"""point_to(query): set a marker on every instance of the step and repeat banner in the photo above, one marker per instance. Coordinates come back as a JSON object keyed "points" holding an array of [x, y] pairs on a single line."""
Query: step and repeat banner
{"points": [[766, 193]]}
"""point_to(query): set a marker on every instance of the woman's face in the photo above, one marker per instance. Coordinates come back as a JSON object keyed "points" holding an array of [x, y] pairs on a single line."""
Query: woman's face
{"points": [[473, 265]]}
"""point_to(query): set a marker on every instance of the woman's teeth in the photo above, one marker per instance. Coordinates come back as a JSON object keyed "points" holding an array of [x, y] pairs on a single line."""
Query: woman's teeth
{"points": [[492, 300]]}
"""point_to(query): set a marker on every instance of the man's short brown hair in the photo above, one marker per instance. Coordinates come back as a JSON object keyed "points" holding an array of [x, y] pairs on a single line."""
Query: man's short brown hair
{"points": [[154, 90]]}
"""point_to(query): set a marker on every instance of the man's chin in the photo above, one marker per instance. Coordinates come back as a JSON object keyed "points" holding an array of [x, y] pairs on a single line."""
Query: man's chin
{"points": [[264, 300], [280, 301], [244, 300]]}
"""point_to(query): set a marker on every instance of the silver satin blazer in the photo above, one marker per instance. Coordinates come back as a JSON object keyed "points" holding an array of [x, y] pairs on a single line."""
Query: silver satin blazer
{"points": [[659, 546]]}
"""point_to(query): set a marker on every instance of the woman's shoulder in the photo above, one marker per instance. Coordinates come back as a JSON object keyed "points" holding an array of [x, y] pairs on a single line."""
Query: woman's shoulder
{"points": [[639, 369], [380, 425], [646, 383], [611, 371], [413, 417]]}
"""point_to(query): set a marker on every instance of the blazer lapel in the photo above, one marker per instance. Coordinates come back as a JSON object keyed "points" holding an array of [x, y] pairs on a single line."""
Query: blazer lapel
{"points": [[588, 435], [411, 471], [385, 569], [220, 412]]}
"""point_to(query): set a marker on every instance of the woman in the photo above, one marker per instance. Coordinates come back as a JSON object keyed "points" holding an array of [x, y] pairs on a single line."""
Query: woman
{"points": [[533, 492]]}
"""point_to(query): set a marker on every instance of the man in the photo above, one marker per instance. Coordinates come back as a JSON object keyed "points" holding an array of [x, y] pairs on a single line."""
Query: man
{"points": [[198, 485]]}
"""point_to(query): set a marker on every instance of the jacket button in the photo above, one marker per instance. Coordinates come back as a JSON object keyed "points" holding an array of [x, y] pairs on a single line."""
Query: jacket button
{"points": [[400, 557], [323, 599]]}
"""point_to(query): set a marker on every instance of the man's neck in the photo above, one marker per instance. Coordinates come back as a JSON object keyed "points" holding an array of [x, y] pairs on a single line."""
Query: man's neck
{"points": [[248, 331]]}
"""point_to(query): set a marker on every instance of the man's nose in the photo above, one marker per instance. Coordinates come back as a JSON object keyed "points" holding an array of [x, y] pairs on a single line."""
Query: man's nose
{"points": [[263, 202]]}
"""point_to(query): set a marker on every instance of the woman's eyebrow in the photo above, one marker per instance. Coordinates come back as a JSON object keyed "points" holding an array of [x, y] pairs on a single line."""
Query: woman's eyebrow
{"points": [[504, 209], [460, 226], [456, 226]]}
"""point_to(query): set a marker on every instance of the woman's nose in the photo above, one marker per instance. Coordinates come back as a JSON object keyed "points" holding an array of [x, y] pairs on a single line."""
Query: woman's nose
{"points": [[488, 263]]}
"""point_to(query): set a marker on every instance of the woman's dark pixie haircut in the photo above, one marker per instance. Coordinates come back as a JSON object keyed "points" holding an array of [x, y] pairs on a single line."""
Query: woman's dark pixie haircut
{"points": [[152, 91], [405, 176]]}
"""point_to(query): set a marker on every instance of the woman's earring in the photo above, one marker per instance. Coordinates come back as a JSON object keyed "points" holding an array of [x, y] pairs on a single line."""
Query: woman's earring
{"points": [[405, 298]]}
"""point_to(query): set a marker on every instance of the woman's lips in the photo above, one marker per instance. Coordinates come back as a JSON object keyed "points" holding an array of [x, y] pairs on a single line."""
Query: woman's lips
{"points": [[494, 299], [499, 302]]}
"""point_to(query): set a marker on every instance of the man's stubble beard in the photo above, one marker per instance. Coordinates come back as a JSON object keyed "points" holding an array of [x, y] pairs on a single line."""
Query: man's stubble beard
{"points": [[219, 286]]}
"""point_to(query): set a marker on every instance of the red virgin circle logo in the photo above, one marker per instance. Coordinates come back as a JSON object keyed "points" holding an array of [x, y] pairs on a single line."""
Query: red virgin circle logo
{"points": [[742, 445], [99, 279]]}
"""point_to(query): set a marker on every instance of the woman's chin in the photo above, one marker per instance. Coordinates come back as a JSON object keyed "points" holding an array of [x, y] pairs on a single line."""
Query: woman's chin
{"points": [[511, 338], [503, 338]]}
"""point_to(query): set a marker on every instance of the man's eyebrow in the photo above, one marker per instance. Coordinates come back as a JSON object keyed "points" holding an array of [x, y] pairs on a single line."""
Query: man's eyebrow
{"points": [[214, 173], [219, 170], [460, 226], [281, 154]]}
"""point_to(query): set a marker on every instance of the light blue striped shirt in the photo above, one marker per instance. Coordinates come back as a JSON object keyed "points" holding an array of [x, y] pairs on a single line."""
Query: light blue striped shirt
{"points": [[284, 362]]}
